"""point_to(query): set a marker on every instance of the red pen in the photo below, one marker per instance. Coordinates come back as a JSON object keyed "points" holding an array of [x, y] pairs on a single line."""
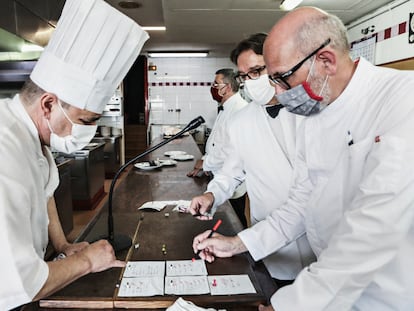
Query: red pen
{"points": [[218, 223]]}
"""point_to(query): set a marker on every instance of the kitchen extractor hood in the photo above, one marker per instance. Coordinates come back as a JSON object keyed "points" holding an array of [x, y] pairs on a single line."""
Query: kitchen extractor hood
{"points": [[14, 48], [27, 21]]}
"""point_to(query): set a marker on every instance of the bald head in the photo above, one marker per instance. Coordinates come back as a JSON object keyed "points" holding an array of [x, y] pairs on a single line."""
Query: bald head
{"points": [[301, 31]]}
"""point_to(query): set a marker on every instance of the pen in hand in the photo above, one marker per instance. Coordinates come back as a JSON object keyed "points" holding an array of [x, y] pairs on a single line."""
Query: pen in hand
{"points": [[218, 223]]}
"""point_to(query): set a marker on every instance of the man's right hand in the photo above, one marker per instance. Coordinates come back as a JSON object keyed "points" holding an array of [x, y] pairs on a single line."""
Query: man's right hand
{"points": [[201, 205], [102, 256], [217, 246]]}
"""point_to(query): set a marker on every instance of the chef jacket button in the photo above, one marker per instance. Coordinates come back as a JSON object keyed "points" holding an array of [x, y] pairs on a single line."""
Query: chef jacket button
{"points": [[213, 144]]}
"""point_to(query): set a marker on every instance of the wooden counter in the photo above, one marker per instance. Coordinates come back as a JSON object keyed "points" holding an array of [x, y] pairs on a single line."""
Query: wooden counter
{"points": [[153, 229]]}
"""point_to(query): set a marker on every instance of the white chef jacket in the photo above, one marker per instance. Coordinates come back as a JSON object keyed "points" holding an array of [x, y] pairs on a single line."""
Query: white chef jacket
{"points": [[355, 201], [260, 152], [28, 178], [214, 156]]}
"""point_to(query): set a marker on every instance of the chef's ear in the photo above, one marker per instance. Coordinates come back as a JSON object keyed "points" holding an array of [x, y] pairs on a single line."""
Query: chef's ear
{"points": [[328, 59], [48, 102]]}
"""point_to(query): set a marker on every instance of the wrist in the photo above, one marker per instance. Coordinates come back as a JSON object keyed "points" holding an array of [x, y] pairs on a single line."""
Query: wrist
{"points": [[84, 262], [210, 197], [61, 246], [238, 245]]}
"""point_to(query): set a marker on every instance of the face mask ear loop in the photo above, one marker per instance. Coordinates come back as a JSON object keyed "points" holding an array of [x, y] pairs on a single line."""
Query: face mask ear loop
{"points": [[324, 84], [63, 110], [310, 69], [219, 90], [48, 125]]}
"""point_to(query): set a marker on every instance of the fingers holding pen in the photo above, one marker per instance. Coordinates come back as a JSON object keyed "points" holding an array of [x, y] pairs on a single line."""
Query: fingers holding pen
{"points": [[203, 247], [217, 245]]}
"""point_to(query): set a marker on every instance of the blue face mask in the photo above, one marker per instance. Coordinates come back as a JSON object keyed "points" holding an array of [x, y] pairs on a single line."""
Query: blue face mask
{"points": [[301, 99]]}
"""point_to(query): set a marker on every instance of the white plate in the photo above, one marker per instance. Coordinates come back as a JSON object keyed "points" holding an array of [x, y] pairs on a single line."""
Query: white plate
{"points": [[147, 166], [167, 162], [171, 153], [182, 157]]}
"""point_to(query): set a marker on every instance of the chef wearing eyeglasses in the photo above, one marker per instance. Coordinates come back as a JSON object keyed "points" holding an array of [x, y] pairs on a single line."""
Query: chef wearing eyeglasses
{"points": [[261, 150]]}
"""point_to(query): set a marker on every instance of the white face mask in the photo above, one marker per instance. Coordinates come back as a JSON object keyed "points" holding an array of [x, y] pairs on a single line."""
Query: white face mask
{"points": [[80, 136], [260, 91]]}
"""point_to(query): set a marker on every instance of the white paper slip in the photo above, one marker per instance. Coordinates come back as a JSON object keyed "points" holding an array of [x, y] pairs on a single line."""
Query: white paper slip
{"points": [[185, 267], [230, 284], [141, 287], [144, 269], [156, 205], [182, 206], [183, 305], [186, 285]]}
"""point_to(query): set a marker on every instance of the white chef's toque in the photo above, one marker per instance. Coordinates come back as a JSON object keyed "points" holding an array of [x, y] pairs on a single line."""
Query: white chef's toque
{"points": [[90, 52]]}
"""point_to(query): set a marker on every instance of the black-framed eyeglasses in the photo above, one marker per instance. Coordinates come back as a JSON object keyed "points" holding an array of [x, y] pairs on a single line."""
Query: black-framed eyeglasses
{"points": [[253, 74], [280, 78]]}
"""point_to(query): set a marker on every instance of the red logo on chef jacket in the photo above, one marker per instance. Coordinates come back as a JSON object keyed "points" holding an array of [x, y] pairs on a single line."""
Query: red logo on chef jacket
{"points": [[377, 139]]}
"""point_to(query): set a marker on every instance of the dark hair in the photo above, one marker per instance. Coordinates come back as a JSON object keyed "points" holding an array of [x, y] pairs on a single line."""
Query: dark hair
{"points": [[30, 92], [229, 76], [254, 43]]}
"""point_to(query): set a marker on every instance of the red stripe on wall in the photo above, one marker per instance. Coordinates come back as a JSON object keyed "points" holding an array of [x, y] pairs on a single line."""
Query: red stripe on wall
{"points": [[181, 83], [387, 33], [402, 28]]}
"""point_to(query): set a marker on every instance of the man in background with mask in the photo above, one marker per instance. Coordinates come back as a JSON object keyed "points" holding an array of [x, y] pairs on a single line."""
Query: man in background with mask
{"points": [[354, 177], [224, 90], [260, 151], [198, 167], [57, 107]]}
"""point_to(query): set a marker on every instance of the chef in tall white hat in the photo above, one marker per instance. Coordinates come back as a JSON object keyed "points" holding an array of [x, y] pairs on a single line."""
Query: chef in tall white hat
{"points": [[90, 52]]}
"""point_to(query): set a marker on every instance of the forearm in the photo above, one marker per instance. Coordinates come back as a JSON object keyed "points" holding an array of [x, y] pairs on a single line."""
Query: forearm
{"points": [[56, 234], [238, 246], [223, 185], [64, 272]]}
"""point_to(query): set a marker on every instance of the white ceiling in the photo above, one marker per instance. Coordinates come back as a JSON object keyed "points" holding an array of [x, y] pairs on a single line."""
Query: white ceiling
{"points": [[218, 25]]}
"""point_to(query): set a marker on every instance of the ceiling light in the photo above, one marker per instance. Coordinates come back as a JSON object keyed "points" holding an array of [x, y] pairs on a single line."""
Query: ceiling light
{"points": [[28, 47], [288, 5], [154, 28], [177, 54]]}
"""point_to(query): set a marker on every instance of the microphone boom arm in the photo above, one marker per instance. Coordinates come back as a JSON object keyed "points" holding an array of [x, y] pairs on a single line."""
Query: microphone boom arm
{"points": [[123, 242]]}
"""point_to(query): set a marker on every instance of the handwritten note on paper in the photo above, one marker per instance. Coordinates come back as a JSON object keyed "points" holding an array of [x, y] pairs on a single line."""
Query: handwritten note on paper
{"points": [[186, 285], [141, 287], [230, 284], [186, 267], [144, 269]]}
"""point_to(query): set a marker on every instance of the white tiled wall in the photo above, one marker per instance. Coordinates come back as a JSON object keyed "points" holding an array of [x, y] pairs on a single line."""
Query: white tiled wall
{"points": [[183, 84]]}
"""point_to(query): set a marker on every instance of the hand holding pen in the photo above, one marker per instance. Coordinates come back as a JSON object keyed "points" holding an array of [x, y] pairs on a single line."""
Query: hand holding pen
{"points": [[209, 246], [218, 223]]}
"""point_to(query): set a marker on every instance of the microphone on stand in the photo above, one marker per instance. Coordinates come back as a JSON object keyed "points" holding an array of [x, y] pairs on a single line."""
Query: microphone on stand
{"points": [[120, 241]]}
